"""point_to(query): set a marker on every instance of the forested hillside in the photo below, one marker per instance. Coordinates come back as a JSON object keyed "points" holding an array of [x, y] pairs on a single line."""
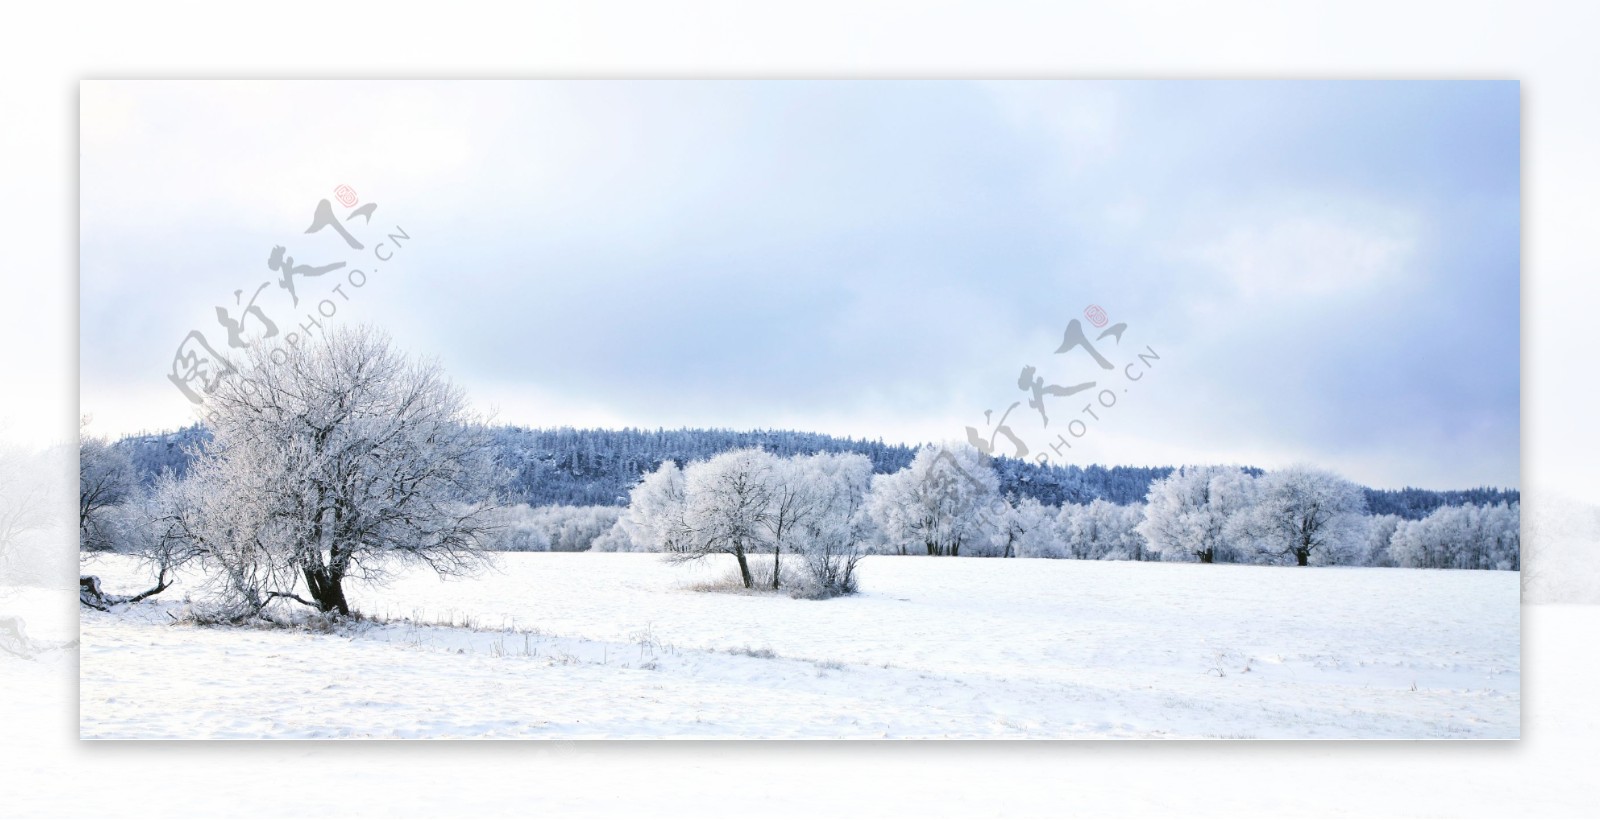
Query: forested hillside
{"points": [[597, 467]]}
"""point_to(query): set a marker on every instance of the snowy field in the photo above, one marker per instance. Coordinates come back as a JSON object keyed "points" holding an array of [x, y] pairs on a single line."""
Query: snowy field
{"points": [[617, 646]]}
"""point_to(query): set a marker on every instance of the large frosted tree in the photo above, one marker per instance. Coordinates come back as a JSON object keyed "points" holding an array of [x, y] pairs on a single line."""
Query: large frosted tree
{"points": [[654, 518], [1302, 511], [1195, 512], [335, 459]]}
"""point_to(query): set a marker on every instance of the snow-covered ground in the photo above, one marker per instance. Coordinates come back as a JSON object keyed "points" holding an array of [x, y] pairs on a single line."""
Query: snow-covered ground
{"points": [[618, 646]]}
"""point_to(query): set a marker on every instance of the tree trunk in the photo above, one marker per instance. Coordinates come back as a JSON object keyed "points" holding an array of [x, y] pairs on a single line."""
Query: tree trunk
{"points": [[1206, 556], [774, 566], [744, 569], [327, 589], [1302, 557]]}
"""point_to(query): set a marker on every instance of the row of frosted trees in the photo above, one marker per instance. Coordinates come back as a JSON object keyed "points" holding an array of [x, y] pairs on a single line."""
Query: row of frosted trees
{"points": [[747, 503], [947, 502]]}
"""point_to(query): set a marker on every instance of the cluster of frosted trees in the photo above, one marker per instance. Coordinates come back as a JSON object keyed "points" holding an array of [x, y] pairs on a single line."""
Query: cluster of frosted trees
{"points": [[1466, 537], [1313, 516], [805, 512], [947, 502]]}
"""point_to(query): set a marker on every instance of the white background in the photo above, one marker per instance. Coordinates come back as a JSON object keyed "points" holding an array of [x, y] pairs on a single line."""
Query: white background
{"points": [[46, 49]]}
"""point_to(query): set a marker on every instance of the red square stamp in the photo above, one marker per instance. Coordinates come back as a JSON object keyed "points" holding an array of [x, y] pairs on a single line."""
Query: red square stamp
{"points": [[347, 195], [1096, 315]]}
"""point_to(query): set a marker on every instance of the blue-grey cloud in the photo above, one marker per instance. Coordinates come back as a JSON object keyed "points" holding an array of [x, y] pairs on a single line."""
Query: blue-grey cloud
{"points": [[1330, 268]]}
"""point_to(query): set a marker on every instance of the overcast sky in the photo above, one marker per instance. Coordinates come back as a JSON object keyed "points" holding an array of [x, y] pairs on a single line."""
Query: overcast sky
{"points": [[1328, 271]]}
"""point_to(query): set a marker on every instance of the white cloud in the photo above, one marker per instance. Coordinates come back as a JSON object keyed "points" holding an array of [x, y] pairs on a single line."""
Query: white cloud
{"points": [[1313, 252]]}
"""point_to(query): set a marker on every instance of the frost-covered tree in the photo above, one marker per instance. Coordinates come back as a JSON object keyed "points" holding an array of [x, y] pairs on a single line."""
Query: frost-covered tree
{"points": [[795, 491], [750, 501], [946, 498], [1103, 531], [106, 476], [1194, 512], [834, 525], [145, 525], [1373, 549], [654, 517], [1502, 531], [1461, 537], [338, 458], [727, 507], [1028, 530], [1302, 511]]}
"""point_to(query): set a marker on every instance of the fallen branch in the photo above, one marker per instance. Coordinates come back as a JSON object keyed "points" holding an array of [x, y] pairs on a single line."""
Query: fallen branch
{"points": [[293, 597], [91, 595]]}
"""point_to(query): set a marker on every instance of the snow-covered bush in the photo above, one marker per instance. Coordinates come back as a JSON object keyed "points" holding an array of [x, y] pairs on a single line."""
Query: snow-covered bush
{"points": [[653, 519], [833, 522]]}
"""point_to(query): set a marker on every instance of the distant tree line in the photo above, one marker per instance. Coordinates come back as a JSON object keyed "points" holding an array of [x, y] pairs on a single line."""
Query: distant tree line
{"points": [[580, 468], [948, 502], [347, 459]]}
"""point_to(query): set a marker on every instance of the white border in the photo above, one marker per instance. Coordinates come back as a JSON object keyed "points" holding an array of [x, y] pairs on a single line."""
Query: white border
{"points": [[47, 48]]}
